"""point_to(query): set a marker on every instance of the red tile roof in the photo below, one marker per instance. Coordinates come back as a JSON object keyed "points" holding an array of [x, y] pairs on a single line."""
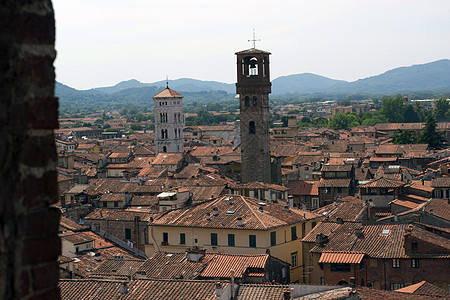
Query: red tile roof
{"points": [[424, 288], [249, 209], [341, 258], [262, 291], [304, 188], [167, 93], [155, 289], [220, 264], [325, 183]]}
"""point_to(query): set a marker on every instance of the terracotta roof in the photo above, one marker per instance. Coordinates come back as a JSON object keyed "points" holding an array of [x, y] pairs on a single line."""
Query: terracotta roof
{"points": [[347, 208], [324, 183], [374, 294], [116, 268], [304, 188], [155, 289], [336, 168], [383, 159], [377, 241], [117, 215], [260, 185], [324, 227], [69, 224], [262, 291], [167, 93], [210, 151], [424, 288], [249, 209], [167, 159], [440, 208], [332, 294], [441, 182], [383, 182], [220, 264], [172, 265], [252, 51], [341, 258]]}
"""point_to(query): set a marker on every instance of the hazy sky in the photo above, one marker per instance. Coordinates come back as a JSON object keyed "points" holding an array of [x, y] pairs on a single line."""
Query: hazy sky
{"points": [[103, 42]]}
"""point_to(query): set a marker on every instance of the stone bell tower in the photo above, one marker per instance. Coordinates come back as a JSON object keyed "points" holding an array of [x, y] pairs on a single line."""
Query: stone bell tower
{"points": [[169, 121], [253, 86]]}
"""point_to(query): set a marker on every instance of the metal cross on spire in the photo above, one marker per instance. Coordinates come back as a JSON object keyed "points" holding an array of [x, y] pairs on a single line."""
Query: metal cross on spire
{"points": [[254, 39]]}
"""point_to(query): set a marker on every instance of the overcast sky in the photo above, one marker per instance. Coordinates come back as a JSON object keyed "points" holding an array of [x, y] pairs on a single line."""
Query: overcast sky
{"points": [[103, 42]]}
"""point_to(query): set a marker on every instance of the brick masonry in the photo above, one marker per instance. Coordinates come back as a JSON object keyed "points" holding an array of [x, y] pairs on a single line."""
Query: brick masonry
{"points": [[29, 244]]}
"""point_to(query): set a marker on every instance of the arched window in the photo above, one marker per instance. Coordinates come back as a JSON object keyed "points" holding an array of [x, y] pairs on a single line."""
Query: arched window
{"points": [[255, 101], [162, 133], [164, 149], [253, 67], [251, 127], [247, 101]]}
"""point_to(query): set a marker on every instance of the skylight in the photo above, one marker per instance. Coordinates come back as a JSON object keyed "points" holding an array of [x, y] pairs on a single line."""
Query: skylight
{"points": [[385, 232]]}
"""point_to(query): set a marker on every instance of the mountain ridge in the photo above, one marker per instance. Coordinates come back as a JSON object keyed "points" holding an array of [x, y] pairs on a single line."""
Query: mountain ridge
{"points": [[433, 76]]}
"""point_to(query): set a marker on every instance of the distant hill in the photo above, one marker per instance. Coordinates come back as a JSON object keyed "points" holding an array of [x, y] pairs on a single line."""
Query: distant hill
{"points": [[434, 76], [430, 77], [303, 83]]}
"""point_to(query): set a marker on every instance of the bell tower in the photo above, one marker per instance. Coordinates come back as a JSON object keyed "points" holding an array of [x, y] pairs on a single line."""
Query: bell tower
{"points": [[253, 86]]}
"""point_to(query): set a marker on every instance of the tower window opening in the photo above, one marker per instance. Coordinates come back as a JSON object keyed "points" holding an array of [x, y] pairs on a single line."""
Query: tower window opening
{"points": [[255, 101], [253, 67], [251, 127], [247, 101], [164, 149]]}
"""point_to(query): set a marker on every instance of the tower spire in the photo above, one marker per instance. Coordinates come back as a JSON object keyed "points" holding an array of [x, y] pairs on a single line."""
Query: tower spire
{"points": [[254, 39], [167, 81]]}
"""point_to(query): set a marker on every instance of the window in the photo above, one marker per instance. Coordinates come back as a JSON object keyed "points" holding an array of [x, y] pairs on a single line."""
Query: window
{"points": [[413, 247], [414, 263], [306, 168], [294, 233], [105, 204], [438, 193], [294, 261], [322, 280], [116, 204], [255, 101], [214, 239], [339, 190], [313, 224], [396, 286], [315, 202], [182, 238], [247, 101], [340, 268], [77, 249], [251, 127], [231, 240], [127, 233], [396, 263], [273, 238], [165, 237], [252, 241]]}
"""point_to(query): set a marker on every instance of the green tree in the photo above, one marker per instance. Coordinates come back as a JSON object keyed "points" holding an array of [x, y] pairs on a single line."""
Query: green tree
{"points": [[393, 109], [410, 115], [405, 137], [343, 121], [441, 107], [430, 136]]}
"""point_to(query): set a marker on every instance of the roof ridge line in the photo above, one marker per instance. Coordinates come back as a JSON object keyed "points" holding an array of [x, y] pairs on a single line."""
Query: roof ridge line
{"points": [[245, 201]]}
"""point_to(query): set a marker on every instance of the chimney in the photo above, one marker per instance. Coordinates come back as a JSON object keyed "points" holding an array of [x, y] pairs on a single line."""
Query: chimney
{"points": [[358, 232], [286, 208], [232, 283], [218, 289], [321, 240], [215, 211], [239, 222], [123, 288], [431, 212]]}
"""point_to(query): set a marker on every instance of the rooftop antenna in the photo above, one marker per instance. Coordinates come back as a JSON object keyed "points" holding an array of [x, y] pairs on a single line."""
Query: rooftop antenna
{"points": [[254, 39], [167, 81]]}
